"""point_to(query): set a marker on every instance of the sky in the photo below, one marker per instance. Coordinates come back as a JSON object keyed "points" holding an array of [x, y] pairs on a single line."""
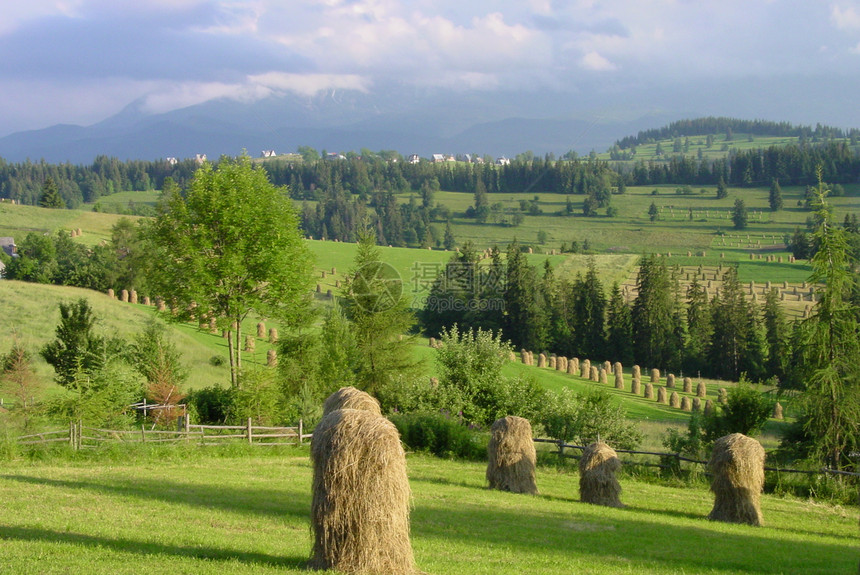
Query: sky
{"points": [[81, 61]]}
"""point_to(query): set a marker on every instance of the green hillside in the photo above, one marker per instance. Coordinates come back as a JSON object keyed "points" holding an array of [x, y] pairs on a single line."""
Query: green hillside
{"points": [[232, 512]]}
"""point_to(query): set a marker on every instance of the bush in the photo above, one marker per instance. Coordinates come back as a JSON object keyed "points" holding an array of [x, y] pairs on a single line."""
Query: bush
{"points": [[585, 417], [212, 405], [746, 411], [441, 435]]}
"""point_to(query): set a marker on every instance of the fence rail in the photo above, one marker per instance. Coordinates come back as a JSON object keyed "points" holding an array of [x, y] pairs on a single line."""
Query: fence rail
{"points": [[678, 457], [80, 436]]}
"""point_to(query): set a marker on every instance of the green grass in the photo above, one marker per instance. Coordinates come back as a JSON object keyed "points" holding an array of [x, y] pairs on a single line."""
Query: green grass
{"points": [[17, 221], [231, 513]]}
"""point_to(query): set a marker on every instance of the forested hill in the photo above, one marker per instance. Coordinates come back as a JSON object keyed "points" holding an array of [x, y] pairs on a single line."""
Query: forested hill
{"points": [[723, 125]]}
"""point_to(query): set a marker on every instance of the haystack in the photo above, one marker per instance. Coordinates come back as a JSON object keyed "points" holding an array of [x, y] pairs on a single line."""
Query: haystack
{"points": [[602, 377], [655, 375], [777, 411], [649, 389], [361, 495], [573, 366], [686, 404], [709, 407], [722, 396], [662, 397], [541, 360], [617, 367], [553, 362], [351, 398], [585, 368], [511, 456], [607, 366], [619, 380], [635, 387], [674, 399], [594, 374], [670, 381], [737, 463], [637, 372], [688, 385], [597, 482], [701, 389]]}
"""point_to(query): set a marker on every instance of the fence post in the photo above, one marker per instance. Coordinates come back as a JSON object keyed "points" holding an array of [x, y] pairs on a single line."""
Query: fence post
{"points": [[560, 448], [79, 434], [142, 433], [72, 434], [250, 436], [300, 431]]}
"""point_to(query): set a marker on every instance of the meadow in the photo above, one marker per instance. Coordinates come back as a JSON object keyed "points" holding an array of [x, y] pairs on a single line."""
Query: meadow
{"points": [[233, 511]]}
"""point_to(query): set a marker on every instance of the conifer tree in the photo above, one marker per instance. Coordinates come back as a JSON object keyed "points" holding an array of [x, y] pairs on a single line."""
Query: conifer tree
{"points": [[775, 196], [653, 326], [776, 336], [525, 322], [619, 321]]}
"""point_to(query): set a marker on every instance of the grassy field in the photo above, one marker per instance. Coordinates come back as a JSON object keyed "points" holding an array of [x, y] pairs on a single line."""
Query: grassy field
{"points": [[17, 221], [234, 512]]}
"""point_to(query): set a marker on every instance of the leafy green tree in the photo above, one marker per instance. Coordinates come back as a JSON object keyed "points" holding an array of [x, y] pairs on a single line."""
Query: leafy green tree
{"points": [[746, 411], [77, 349], [587, 417], [740, 214], [829, 344], [229, 247], [51, 197], [774, 198]]}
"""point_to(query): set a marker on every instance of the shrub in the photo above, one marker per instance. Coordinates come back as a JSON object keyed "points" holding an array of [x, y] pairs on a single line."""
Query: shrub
{"points": [[746, 410], [212, 405], [585, 417], [440, 434]]}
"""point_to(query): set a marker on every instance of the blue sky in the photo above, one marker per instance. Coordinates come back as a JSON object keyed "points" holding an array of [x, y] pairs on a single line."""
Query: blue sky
{"points": [[81, 61]]}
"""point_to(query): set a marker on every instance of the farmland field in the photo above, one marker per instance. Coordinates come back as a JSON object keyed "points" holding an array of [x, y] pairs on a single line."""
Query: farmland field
{"points": [[234, 511]]}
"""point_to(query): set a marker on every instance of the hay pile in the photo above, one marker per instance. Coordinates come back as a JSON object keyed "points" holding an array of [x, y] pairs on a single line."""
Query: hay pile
{"points": [[351, 398], [722, 396], [361, 495], [737, 463], [709, 407], [602, 377], [674, 400], [511, 456], [686, 404], [607, 366], [688, 385], [701, 389], [597, 482], [777, 411], [553, 362], [617, 367], [573, 366], [261, 330], [637, 372], [619, 380], [649, 389], [661, 394], [594, 375], [541, 360], [670, 381], [655, 375], [585, 368], [271, 358]]}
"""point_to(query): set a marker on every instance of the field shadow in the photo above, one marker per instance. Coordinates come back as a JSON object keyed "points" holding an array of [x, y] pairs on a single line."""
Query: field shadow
{"points": [[147, 547], [269, 502]]}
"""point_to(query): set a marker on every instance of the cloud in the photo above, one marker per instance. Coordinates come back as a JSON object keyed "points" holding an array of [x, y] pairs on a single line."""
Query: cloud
{"points": [[308, 84], [845, 18], [596, 62]]}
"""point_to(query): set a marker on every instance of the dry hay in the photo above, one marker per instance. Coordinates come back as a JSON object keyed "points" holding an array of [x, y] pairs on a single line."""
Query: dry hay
{"points": [[573, 366], [511, 456], [709, 407], [361, 495], [737, 463], [723, 396], [602, 377], [261, 330], [636, 386], [607, 366], [147, 301], [585, 368], [351, 398], [701, 389], [594, 374], [661, 394], [110, 293], [674, 400], [250, 342], [124, 296], [553, 362], [561, 364], [688, 385], [619, 380], [637, 372], [132, 296], [273, 335], [777, 411], [541, 360], [524, 355], [686, 404], [617, 367], [597, 482], [531, 358], [670, 381], [271, 358], [655, 375], [697, 404], [511, 355]]}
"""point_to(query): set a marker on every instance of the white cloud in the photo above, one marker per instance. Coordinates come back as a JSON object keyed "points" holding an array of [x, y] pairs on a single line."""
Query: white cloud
{"points": [[173, 97], [845, 18], [308, 84], [594, 61]]}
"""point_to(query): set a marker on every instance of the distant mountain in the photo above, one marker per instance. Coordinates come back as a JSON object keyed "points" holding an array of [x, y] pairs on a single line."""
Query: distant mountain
{"points": [[422, 123]]}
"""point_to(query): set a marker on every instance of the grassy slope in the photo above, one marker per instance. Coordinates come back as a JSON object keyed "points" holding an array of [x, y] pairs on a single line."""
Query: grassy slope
{"points": [[17, 221], [171, 514]]}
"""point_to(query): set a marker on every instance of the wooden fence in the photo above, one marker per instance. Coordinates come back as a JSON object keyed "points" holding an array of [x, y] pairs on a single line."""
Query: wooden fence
{"points": [[80, 436], [677, 458]]}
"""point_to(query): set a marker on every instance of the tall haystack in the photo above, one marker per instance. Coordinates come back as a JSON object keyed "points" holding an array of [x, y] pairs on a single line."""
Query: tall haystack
{"points": [[697, 404], [597, 482], [635, 387], [361, 495], [686, 404], [649, 390], [594, 374], [661, 394], [351, 398], [709, 407], [261, 330], [637, 372], [552, 362], [573, 366], [722, 396], [607, 366], [670, 381], [561, 364], [701, 389], [777, 411], [619, 380], [688, 385], [674, 399], [655, 375], [737, 463], [585, 368], [542, 360], [602, 377], [511, 456], [617, 367]]}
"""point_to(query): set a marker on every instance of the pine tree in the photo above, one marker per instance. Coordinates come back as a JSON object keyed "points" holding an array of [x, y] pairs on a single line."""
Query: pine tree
{"points": [[619, 321], [449, 243], [525, 320], [775, 196], [776, 336], [51, 197], [722, 190], [589, 310], [653, 325], [740, 214], [699, 328], [733, 345], [653, 212]]}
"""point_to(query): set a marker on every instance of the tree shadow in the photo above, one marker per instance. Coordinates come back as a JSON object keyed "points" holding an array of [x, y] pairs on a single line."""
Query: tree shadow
{"points": [[148, 547], [269, 502]]}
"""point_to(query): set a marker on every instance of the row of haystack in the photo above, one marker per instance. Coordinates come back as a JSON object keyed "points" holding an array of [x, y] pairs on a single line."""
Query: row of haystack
{"points": [[737, 463], [361, 496]]}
